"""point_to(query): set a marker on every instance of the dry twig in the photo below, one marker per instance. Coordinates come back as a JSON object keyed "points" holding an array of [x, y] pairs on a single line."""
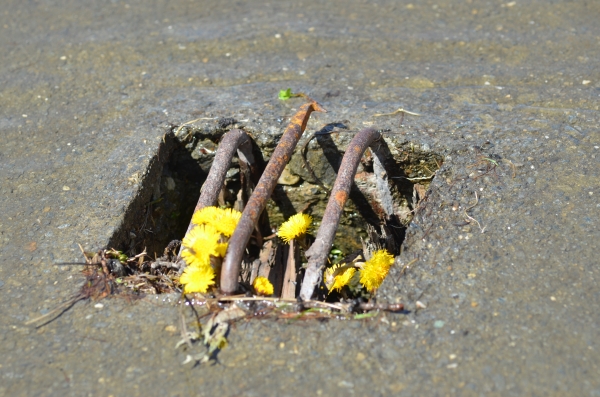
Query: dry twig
{"points": [[469, 218]]}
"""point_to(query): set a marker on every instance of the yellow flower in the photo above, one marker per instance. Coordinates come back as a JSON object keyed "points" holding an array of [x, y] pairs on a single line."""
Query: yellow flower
{"points": [[294, 227], [374, 270], [221, 249], [338, 276], [223, 220], [263, 286], [197, 279], [206, 215], [199, 244]]}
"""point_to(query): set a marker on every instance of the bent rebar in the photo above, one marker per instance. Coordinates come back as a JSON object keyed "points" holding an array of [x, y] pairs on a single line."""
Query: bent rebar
{"points": [[317, 254], [234, 140], [258, 200]]}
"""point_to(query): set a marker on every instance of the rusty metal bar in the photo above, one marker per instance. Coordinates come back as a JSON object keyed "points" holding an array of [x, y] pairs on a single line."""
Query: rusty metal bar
{"points": [[234, 140], [257, 202], [317, 254]]}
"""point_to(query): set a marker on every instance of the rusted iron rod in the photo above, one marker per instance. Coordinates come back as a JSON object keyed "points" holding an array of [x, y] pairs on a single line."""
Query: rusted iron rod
{"points": [[257, 202], [318, 252], [234, 140]]}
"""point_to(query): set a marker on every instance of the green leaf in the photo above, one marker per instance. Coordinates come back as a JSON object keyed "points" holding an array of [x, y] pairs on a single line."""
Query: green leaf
{"points": [[284, 95]]}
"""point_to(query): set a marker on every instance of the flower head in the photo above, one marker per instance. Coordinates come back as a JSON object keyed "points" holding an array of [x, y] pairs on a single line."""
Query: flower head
{"points": [[205, 216], [199, 244], [197, 279], [294, 227], [375, 269], [338, 276], [224, 220], [262, 286], [221, 249]]}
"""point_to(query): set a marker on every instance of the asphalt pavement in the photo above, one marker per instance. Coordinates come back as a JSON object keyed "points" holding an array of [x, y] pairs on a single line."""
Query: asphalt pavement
{"points": [[503, 265]]}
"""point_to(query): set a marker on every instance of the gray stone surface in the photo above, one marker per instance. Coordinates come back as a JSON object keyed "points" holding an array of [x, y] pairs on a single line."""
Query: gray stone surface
{"points": [[87, 87]]}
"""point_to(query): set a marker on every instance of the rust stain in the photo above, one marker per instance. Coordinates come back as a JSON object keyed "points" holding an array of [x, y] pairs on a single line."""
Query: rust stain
{"points": [[362, 176], [341, 197]]}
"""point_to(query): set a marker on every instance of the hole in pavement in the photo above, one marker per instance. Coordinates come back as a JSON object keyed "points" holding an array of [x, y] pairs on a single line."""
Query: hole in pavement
{"points": [[162, 209]]}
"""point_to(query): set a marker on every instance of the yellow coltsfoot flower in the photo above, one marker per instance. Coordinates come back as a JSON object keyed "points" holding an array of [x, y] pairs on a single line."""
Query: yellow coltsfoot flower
{"points": [[221, 249], [224, 220], [197, 279], [262, 286], [205, 216], [199, 244], [338, 276], [294, 227], [375, 269]]}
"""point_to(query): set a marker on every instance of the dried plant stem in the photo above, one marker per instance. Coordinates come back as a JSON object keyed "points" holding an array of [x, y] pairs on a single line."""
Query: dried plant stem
{"points": [[469, 218], [190, 122], [55, 313], [318, 252], [308, 304], [262, 192], [184, 332], [401, 110], [342, 307], [288, 290]]}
